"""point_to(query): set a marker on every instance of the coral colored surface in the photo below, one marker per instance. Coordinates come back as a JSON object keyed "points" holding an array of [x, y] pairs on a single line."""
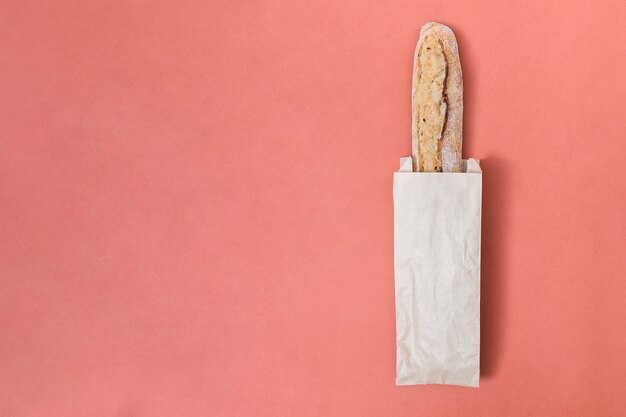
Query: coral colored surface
{"points": [[196, 208]]}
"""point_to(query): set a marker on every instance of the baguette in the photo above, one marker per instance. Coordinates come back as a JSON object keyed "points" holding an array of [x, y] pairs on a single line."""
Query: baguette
{"points": [[437, 134]]}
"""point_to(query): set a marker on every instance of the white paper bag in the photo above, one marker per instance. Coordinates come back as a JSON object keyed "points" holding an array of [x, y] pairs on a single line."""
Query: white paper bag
{"points": [[437, 275]]}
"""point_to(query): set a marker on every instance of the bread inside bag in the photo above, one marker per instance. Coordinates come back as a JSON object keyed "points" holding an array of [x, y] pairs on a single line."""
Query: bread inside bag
{"points": [[437, 101]]}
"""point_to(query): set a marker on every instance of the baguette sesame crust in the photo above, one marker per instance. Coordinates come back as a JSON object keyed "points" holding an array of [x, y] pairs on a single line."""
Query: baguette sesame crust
{"points": [[431, 149]]}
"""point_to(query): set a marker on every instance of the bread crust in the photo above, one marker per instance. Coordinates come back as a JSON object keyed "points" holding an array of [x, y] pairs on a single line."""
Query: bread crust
{"points": [[431, 104], [452, 139]]}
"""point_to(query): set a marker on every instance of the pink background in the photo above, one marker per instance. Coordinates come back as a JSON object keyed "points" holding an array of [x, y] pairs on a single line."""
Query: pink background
{"points": [[196, 206]]}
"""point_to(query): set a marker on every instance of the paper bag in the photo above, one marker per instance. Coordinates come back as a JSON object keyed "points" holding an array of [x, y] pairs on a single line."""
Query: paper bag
{"points": [[437, 275]]}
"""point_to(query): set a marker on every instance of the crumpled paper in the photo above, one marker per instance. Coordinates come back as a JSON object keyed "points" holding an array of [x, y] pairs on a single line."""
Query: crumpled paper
{"points": [[437, 220]]}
